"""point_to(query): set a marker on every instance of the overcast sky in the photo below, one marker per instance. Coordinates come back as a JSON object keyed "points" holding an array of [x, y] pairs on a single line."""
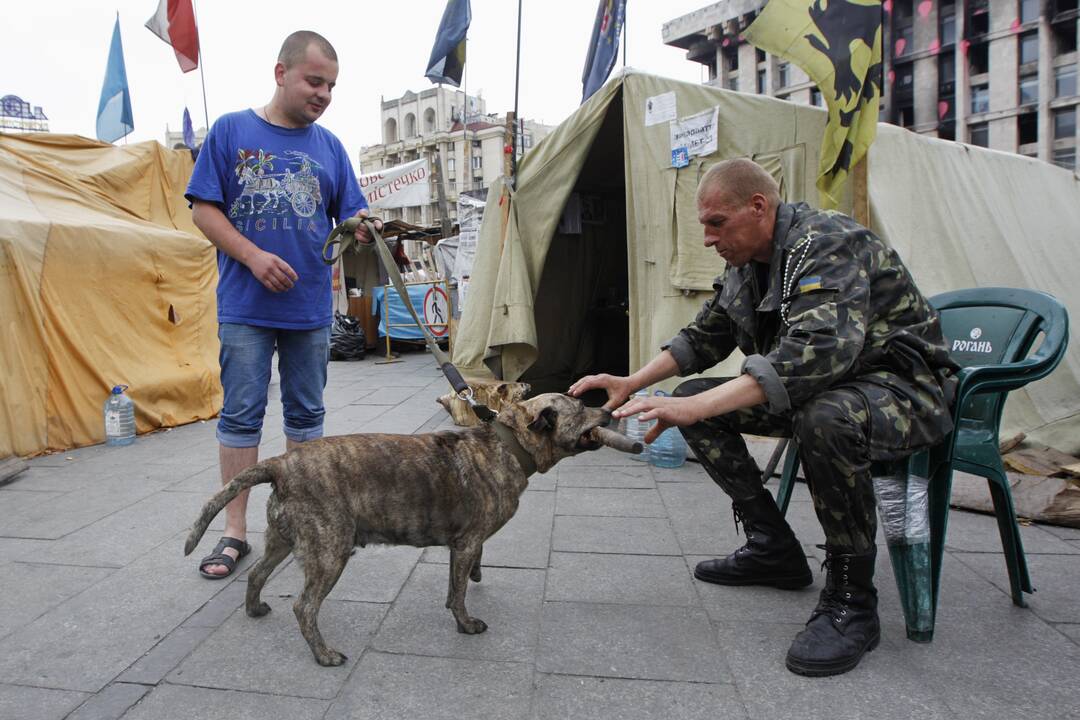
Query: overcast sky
{"points": [[54, 54]]}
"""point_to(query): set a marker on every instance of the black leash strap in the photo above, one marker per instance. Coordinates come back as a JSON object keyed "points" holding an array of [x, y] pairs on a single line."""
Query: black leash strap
{"points": [[330, 256]]}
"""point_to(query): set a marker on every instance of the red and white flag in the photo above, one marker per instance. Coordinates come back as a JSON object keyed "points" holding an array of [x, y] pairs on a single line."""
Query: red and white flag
{"points": [[174, 22]]}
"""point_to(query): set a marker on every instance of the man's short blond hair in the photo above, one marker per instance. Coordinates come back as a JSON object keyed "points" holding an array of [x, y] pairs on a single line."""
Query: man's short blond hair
{"points": [[738, 180], [294, 49]]}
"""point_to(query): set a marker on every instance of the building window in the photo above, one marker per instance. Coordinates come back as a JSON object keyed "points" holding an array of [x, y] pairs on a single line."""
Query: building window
{"points": [[477, 162], [947, 23], [1027, 129], [980, 98], [1029, 90], [816, 98], [759, 54], [905, 116], [978, 17], [1029, 10], [761, 82], [979, 58], [1064, 35], [410, 125], [783, 73], [450, 164], [1065, 123], [1065, 157], [1029, 48], [980, 135], [946, 74], [1065, 81], [733, 81]]}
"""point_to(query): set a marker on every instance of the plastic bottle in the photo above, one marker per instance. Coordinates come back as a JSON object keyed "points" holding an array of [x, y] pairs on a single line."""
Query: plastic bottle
{"points": [[119, 418], [668, 450], [636, 429]]}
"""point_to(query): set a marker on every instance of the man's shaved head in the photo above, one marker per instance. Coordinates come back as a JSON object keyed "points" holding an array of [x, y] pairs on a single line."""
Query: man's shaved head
{"points": [[737, 181], [294, 49]]}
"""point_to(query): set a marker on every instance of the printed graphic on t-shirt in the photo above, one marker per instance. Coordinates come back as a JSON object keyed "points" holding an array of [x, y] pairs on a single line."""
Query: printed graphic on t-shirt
{"points": [[274, 186]]}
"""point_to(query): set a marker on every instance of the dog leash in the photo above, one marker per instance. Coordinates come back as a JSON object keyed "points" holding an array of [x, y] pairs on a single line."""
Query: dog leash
{"points": [[453, 376]]}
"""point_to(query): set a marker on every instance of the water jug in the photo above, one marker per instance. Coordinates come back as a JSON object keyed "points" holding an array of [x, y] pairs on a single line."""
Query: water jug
{"points": [[119, 418], [668, 450], [636, 429]]}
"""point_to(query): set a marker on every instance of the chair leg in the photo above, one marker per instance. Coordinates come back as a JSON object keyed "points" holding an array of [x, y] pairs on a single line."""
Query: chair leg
{"points": [[939, 491], [1009, 529], [787, 477]]}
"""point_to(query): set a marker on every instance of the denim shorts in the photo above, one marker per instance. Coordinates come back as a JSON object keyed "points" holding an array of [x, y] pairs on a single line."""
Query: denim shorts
{"points": [[246, 354]]}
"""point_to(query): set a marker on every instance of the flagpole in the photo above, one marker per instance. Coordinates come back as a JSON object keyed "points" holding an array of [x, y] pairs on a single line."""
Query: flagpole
{"points": [[514, 132], [202, 76], [624, 36]]}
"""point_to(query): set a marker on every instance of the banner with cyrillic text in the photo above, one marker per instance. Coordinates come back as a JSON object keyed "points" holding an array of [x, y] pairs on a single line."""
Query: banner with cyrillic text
{"points": [[400, 186]]}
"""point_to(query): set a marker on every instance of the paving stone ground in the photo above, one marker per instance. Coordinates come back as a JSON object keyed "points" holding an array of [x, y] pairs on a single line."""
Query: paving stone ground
{"points": [[588, 592]]}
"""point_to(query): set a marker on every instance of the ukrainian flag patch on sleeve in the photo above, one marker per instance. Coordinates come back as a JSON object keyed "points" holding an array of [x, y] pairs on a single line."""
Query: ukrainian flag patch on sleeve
{"points": [[810, 283]]}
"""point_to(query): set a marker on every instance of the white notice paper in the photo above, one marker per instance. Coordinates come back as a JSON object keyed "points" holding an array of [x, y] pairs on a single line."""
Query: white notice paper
{"points": [[697, 133], [660, 108]]}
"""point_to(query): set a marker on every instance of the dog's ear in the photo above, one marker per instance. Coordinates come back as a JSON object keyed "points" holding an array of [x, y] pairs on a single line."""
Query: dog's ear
{"points": [[544, 421]]}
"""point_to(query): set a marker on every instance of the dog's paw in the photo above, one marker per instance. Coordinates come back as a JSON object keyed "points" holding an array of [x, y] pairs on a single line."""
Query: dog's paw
{"points": [[331, 658], [258, 611], [472, 626], [475, 575]]}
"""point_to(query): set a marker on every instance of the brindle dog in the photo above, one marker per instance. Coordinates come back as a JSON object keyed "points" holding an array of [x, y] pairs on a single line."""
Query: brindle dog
{"points": [[453, 488]]}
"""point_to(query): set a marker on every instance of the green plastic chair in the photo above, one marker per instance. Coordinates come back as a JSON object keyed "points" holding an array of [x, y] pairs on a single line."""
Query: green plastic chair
{"points": [[990, 332]]}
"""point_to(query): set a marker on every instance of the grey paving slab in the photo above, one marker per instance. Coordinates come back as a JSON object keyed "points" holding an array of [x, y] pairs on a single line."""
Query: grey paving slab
{"points": [[978, 532], [31, 590], [221, 606], [625, 579], [375, 574], [524, 542], [269, 654], [726, 604], [1055, 598], [31, 703], [408, 687], [21, 549], [1069, 630], [387, 395], [121, 537], [629, 641], [152, 667], [544, 482], [111, 703], [508, 600], [880, 687], [353, 419], [606, 502], [52, 517], [639, 476], [168, 702], [634, 536], [587, 698], [87, 641]]}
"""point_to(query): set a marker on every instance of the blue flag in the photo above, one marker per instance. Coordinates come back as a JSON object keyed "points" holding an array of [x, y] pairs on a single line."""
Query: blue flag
{"points": [[447, 61], [189, 132], [604, 46], [114, 119]]}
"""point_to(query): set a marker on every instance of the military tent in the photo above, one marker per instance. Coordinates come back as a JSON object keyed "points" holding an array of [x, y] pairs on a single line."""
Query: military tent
{"points": [[547, 305], [104, 280]]}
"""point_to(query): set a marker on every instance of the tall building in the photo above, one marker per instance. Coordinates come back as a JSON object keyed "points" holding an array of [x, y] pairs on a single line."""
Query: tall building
{"points": [[174, 139], [430, 123], [997, 73], [17, 116]]}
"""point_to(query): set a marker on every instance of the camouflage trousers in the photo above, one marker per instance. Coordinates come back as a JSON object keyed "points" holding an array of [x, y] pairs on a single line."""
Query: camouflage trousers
{"points": [[832, 430]]}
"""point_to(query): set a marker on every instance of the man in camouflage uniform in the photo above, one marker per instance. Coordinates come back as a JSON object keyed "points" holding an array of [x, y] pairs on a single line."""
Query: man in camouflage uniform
{"points": [[842, 352]]}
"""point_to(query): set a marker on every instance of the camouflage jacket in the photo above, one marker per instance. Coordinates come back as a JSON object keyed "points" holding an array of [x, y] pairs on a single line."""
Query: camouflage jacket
{"points": [[840, 308]]}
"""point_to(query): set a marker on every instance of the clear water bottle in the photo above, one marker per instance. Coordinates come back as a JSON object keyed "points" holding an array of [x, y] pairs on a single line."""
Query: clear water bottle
{"points": [[668, 450], [635, 429], [119, 417]]}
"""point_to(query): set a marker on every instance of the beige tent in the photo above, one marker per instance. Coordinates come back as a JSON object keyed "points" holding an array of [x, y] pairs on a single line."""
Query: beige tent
{"points": [[104, 281], [545, 306]]}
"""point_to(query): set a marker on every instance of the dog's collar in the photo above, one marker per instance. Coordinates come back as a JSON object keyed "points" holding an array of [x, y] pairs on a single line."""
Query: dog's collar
{"points": [[528, 465]]}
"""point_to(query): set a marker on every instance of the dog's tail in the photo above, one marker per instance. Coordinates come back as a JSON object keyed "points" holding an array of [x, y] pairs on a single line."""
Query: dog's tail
{"points": [[254, 475]]}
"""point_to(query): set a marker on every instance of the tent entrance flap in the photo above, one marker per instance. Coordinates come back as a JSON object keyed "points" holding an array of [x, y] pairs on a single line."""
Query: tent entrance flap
{"points": [[581, 303]]}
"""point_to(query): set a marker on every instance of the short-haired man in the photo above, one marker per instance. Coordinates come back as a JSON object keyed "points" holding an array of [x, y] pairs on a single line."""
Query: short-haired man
{"points": [[842, 352], [267, 187]]}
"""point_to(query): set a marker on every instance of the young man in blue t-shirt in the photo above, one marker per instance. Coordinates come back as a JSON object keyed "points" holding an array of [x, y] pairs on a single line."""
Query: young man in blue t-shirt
{"points": [[267, 187]]}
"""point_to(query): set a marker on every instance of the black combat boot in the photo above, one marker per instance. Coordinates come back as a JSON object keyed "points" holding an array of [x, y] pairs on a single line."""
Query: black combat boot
{"points": [[771, 556], [844, 625]]}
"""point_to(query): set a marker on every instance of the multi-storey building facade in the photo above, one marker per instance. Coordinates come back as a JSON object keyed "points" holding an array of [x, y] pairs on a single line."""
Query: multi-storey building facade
{"points": [[997, 73], [467, 157], [16, 116]]}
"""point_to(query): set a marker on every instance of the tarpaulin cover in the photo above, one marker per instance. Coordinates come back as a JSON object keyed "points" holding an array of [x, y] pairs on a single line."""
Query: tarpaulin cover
{"points": [[104, 280], [959, 216]]}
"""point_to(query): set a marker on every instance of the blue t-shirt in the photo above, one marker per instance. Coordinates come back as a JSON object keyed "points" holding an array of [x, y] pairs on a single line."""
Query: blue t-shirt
{"points": [[283, 189]]}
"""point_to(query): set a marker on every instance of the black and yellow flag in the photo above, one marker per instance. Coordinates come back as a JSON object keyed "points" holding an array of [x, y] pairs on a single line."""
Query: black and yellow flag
{"points": [[838, 44]]}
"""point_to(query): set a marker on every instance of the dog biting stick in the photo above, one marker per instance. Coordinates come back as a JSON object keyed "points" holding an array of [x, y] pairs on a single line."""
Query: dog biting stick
{"points": [[616, 441]]}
